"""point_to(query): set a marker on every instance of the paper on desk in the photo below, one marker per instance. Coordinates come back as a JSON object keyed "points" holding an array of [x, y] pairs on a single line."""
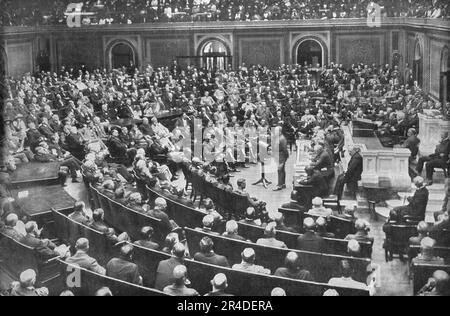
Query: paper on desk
{"points": [[23, 194]]}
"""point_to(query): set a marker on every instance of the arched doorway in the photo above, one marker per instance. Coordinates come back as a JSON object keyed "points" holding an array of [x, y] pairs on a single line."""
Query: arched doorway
{"points": [[445, 76], [122, 55], [418, 64], [215, 56], [310, 52]]}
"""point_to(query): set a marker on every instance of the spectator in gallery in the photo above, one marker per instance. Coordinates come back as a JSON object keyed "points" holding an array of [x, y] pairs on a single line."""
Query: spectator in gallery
{"points": [[79, 214]]}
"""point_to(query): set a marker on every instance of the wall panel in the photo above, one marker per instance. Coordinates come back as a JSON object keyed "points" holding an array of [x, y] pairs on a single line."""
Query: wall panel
{"points": [[360, 48], [261, 50], [20, 58]]}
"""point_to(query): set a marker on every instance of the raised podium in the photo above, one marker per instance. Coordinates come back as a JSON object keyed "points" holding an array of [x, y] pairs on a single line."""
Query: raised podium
{"points": [[430, 130]]}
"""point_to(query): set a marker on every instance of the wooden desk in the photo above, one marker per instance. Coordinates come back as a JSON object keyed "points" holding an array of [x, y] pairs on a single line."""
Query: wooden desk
{"points": [[35, 174]]}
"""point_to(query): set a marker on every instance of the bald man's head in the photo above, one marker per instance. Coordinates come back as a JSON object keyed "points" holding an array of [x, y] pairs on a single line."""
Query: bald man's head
{"points": [[220, 282], [442, 281], [309, 224], [179, 250]]}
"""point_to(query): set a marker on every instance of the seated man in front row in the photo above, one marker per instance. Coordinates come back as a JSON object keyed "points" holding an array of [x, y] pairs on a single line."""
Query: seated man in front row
{"points": [[318, 208], [317, 181], [417, 204], [437, 160]]}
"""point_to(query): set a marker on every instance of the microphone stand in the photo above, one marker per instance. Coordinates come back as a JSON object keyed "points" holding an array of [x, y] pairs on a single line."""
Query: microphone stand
{"points": [[263, 179]]}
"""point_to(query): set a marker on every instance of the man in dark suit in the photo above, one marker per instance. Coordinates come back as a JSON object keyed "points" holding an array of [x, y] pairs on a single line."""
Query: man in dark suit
{"points": [[75, 143], [44, 247], [8, 230], [83, 260], [438, 160], [159, 212], [146, 239], [122, 268], [310, 241], [323, 162], [164, 272], [283, 155], [219, 285], [45, 129], [354, 170], [292, 270], [317, 181], [417, 206], [207, 254], [412, 143]]}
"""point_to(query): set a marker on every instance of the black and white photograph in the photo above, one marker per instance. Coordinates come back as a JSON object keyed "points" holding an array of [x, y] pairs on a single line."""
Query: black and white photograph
{"points": [[237, 148]]}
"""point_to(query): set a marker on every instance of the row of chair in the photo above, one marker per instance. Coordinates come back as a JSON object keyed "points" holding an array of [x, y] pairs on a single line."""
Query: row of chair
{"points": [[398, 236], [322, 266], [339, 226], [241, 283], [229, 202], [190, 217], [16, 257]]}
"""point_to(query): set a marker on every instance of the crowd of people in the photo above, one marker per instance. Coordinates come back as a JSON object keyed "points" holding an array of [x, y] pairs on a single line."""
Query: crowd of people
{"points": [[51, 12], [104, 123]]}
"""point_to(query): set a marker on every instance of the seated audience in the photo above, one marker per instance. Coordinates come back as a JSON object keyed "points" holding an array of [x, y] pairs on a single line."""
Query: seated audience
{"points": [[83, 260], [321, 224], [207, 254], [417, 205], [422, 230], [269, 239], [426, 255], [310, 241], [179, 288], [318, 209], [439, 285], [164, 272], [278, 292], [219, 285], [362, 232], [25, 287], [231, 231], [292, 269], [208, 225], [146, 239], [123, 268], [248, 263], [79, 214], [346, 279]]}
